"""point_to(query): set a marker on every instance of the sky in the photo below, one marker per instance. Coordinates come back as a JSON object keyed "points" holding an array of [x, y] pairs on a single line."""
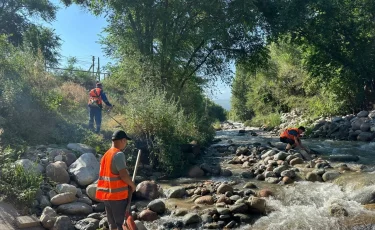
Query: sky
{"points": [[80, 32]]}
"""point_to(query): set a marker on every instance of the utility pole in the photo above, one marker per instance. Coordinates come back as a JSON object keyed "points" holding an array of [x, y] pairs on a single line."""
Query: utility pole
{"points": [[93, 65], [98, 71]]}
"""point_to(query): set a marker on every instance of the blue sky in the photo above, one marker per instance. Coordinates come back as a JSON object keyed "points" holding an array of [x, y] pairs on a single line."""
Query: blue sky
{"points": [[80, 32]]}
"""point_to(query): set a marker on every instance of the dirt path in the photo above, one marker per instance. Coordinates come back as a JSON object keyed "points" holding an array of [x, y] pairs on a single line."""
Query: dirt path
{"points": [[8, 215]]}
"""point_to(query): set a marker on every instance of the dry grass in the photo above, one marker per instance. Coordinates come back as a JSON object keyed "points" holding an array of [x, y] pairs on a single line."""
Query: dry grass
{"points": [[74, 93]]}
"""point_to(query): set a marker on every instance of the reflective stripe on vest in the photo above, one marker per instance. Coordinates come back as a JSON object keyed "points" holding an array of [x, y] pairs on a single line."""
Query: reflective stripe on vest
{"points": [[110, 186], [287, 135], [95, 96]]}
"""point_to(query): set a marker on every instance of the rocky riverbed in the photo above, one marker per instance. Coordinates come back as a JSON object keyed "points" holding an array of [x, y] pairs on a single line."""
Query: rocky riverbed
{"points": [[241, 183]]}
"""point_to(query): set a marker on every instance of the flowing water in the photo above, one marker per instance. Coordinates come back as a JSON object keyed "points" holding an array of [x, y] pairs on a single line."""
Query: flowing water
{"points": [[303, 205]]}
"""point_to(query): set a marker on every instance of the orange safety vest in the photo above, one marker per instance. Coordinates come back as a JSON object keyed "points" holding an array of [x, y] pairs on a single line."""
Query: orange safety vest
{"points": [[110, 186], [287, 135], [95, 98]]}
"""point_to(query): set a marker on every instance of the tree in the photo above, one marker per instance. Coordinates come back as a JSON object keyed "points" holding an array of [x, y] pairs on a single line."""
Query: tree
{"points": [[16, 23], [181, 39]]}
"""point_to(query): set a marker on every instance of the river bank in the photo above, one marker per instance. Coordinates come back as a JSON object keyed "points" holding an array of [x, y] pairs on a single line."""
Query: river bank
{"points": [[240, 182]]}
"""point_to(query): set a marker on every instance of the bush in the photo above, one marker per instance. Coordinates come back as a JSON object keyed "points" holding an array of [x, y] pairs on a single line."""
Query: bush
{"points": [[150, 116], [270, 121]]}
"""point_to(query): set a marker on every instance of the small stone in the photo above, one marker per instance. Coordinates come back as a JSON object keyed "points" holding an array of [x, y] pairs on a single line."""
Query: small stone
{"points": [[272, 180], [223, 188], [63, 222], [287, 180], [250, 185], [257, 205], [310, 176], [230, 224], [223, 211], [338, 211], [265, 193], [191, 218], [208, 200], [288, 173], [148, 215], [157, 206], [247, 174], [206, 218], [238, 208], [63, 198], [180, 212], [226, 173], [296, 161]]}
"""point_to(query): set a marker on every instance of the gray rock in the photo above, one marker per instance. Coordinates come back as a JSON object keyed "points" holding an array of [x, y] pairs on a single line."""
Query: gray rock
{"points": [[223, 211], [75, 208], [97, 216], [195, 172], [272, 180], [63, 188], [269, 174], [235, 197], [250, 185], [176, 192], [223, 188], [148, 190], [87, 224], [206, 218], [81, 148], [30, 167], [372, 114], [91, 192], [363, 114], [279, 169], [247, 174], [44, 202], [257, 205], [180, 212], [206, 168], [320, 172], [280, 156], [338, 211], [85, 200], [269, 153], [157, 206], [365, 136], [63, 198], [191, 218], [296, 161], [63, 223], [260, 177], [239, 208], [226, 173], [313, 177], [288, 173], [57, 172], [103, 224], [51, 194], [48, 217], [365, 127], [230, 225], [85, 170], [364, 196], [330, 175]]}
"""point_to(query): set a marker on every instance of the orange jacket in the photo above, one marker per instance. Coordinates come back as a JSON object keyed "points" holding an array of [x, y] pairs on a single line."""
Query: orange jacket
{"points": [[95, 97], [288, 135], [110, 186]]}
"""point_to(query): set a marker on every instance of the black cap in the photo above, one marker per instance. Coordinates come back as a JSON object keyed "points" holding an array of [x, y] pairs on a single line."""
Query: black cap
{"points": [[119, 134]]}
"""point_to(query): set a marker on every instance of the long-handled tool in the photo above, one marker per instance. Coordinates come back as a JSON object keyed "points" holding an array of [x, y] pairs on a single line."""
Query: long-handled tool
{"points": [[130, 224]]}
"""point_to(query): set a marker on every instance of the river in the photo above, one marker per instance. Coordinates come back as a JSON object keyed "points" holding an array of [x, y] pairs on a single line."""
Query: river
{"points": [[301, 205]]}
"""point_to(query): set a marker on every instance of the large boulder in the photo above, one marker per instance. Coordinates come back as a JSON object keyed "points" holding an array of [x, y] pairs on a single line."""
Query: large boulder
{"points": [[140, 225], [257, 205], [176, 192], [365, 127], [87, 224], [85, 169], [57, 172], [91, 192], [208, 200], [226, 173], [62, 188], [191, 218], [195, 172], [363, 114], [327, 176], [148, 215], [148, 190], [76, 208], [80, 148], [365, 136], [66, 155], [157, 206], [48, 217], [63, 198], [63, 223], [30, 167], [223, 188]]}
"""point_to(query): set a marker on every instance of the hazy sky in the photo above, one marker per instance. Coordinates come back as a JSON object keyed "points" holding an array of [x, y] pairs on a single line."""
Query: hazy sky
{"points": [[80, 32]]}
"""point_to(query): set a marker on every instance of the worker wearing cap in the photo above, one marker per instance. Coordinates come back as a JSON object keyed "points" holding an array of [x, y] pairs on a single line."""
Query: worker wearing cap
{"points": [[95, 104], [115, 184]]}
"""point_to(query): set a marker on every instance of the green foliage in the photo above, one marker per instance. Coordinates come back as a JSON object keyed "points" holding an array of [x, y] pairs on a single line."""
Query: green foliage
{"points": [[151, 116], [17, 21], [19, 185], [270, 121]]}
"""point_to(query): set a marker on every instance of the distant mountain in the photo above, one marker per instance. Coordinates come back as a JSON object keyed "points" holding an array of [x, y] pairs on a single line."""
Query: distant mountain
{"points": [[225, 103]]}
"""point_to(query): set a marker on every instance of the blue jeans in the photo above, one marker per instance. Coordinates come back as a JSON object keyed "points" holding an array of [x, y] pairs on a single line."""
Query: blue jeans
{"points": [[95, 113]]}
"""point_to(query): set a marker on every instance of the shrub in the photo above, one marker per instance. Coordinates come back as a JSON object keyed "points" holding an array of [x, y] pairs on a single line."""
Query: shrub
{"points": [[270, 121]]}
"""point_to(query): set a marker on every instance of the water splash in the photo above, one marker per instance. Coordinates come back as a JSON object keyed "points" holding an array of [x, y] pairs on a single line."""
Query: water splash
{"points": [[306, 205]]}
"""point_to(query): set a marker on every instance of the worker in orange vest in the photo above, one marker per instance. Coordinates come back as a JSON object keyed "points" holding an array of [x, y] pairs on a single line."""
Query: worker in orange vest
{"points": [[291, 136], [115, 184], [95, 104]]}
